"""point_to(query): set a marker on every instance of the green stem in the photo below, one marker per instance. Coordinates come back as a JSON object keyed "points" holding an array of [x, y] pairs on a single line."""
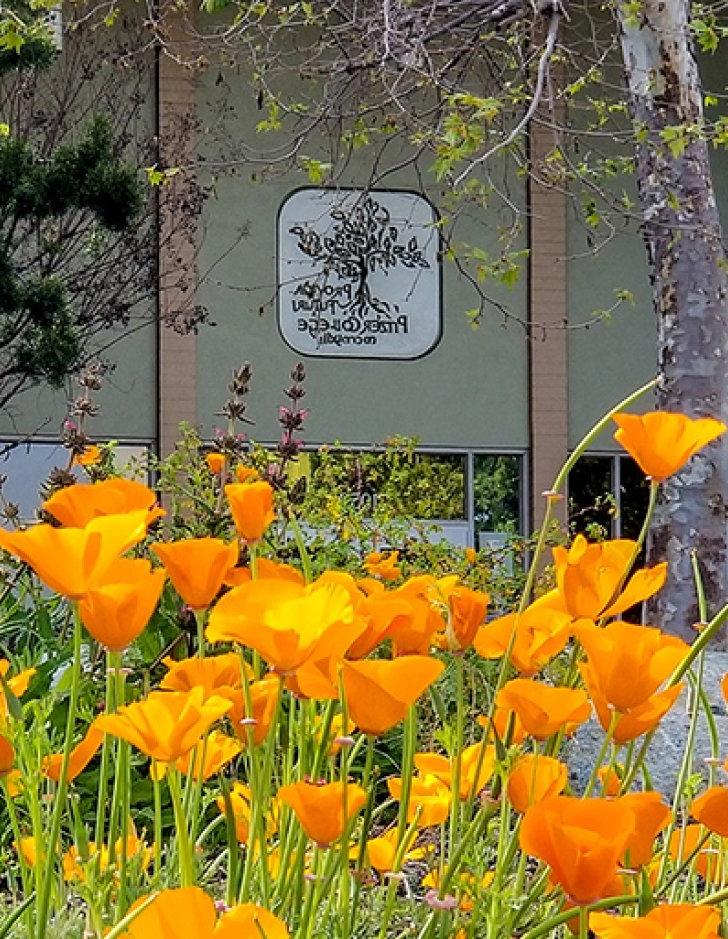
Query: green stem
{"points": [[200, 623], [186, 868], [52, 851], [302, 549], [546, 928]]}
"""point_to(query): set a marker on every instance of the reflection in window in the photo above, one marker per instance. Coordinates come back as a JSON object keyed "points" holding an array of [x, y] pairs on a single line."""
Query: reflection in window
{"points": [[592, 503], [426, 486], [607, 497], [497, 493]]}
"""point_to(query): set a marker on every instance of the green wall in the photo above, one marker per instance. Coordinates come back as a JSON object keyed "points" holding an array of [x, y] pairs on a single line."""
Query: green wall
{"points": [[471, 391]]}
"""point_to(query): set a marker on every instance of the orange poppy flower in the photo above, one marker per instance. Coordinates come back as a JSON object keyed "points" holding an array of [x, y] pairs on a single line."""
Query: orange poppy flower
{"points": [[379, 692], [166, 724], [383, 564], [625, 666], [711, 810], [281, 620], [250, 920], [661, 442], [429, 799], [497, 725], [263, 700], [89, 456], [671, 921], [534, 778], [471, 763], [378, 611], [382, 850], [71, 560], [215, 674], [582, 841], [320, 809], [471, 555], [246, 474], [197, 567], [709, 862], [76, 506], [215, 462], [7, 756], [651, 816], [188, 911], [209, 756], [540, 634], [251, 505], [467, 609], [543, 709], [267, 570], [413, 630], [588, 578], [241, 800], [80, 757], [118, 607], [18, 684]]}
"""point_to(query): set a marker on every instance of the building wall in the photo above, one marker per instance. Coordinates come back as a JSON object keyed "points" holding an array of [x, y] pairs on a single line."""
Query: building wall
{"points": [[471, 391]]}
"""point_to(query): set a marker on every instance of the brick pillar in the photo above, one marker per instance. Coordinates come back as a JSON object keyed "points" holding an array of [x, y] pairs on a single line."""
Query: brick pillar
{"points": [[548, 314], [177, 368]]}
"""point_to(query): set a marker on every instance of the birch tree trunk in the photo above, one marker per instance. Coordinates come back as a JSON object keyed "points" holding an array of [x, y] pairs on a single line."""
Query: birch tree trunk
{"points": [[687, 260]]}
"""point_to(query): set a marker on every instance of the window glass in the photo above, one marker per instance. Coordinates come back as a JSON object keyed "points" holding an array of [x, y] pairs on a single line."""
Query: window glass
{"points": [[414, 485], [27, 466], [591, 497], [634, 493], [497, 495]]}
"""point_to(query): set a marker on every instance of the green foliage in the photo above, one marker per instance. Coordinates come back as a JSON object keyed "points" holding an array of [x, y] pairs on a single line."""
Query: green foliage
{"points": [[40, 336]]}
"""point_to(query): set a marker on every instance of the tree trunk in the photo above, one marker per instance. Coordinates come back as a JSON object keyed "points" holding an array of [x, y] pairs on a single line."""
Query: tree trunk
{"points": [[687, 259]]}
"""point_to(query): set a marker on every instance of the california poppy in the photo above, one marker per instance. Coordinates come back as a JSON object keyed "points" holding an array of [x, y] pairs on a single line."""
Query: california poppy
{"points": [[383, 564], [625, 666], [241, 799], [379, 692], [197, 567], [651, 816], [7, 756], [71, 560], [535, 636], [264, 696], [429, 799], [251, 505], [711, 810], [209, 755], [533, 778], [466, 614], [582, 841], [18, 684], [661, 442], [382, 850], [320, 808], [690, 843], [250, 920], [589, 579], [166, 724], [281, 620], [89, 456], [215, 462], [117, 608], [76, 506], [543, 709], [215, 674], [267, 570], [476, 767], [246, 474], [670, 921], [81, 755]]}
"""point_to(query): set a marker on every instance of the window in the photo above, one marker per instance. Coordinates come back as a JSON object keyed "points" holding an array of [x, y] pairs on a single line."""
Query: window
{"points": [[476, 498], [27, 466], [607, 497]]}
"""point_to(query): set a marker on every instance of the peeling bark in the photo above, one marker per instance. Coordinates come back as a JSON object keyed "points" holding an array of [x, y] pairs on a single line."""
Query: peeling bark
{"points": [[682, 232]]}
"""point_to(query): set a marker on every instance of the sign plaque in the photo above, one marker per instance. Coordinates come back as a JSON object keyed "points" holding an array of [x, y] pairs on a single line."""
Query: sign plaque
{"points": [[359, 274]]}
